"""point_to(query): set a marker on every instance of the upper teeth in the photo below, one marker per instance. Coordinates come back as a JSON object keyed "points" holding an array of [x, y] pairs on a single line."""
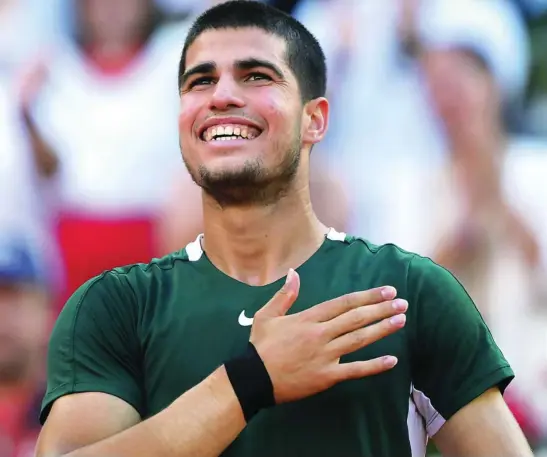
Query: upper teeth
{"points": [[231, 131]]}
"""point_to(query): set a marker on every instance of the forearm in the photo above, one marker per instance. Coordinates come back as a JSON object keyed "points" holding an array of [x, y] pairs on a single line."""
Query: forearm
{"points": [[202, 422], [45, 158]]}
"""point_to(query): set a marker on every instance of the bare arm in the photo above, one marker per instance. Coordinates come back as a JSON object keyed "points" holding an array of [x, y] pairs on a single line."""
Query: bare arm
{"points": [[483, 428], [202, 422], [80, 419], [45, 158]]}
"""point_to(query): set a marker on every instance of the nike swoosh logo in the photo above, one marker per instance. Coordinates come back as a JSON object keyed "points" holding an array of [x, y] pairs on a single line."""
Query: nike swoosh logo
{"points": [[244, 321]]}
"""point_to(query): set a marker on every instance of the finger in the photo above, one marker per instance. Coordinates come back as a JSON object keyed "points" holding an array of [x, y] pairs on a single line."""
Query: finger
{"points": [[364, 315], [33, 78], [282, 301], [362, 369], [351, 342], [330, 309]]}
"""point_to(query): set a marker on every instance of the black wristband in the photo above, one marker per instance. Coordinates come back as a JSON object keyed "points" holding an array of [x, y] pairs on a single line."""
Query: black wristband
{"points": [[251, 382]]}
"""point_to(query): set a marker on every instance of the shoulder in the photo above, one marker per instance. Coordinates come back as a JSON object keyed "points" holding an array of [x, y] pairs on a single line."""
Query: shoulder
{"points": [[418, 274], [386, 255], [156, 268], [129, 285]]}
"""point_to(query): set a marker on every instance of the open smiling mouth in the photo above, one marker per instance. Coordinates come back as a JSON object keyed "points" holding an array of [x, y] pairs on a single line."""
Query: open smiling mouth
{"points": [[230, 132]]}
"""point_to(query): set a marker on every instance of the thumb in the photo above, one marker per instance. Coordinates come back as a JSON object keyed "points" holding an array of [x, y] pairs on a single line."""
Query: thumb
{"points": [[282, 301]]}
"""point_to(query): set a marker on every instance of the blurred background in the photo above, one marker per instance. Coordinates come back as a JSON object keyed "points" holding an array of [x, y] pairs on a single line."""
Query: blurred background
{"points": [[438, 143]]}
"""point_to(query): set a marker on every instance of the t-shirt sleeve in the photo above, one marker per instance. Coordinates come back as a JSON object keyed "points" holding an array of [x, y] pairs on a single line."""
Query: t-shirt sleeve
{"points": [[94, 345], [455, 358]]}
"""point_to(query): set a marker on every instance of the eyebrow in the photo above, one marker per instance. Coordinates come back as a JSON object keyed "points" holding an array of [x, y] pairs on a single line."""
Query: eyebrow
{"points": [[200, 69], [245, 64], [251, 64]]}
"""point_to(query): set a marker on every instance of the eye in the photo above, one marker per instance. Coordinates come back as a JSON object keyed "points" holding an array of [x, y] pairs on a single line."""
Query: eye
{"points": [[203, 81], [258, 77]]}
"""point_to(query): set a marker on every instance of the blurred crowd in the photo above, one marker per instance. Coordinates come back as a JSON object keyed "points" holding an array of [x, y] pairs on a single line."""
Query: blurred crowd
{"points": [[437, 142]]}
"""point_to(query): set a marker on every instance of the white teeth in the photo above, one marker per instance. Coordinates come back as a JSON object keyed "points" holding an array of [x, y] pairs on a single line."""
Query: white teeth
{"points": [[230, 132]]}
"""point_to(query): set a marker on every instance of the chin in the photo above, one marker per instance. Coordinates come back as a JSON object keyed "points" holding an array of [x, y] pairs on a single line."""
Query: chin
{"points": [[233, 160], [231, 164]]}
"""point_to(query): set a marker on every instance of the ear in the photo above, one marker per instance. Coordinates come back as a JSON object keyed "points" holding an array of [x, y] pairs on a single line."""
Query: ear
{"points": [[316, 120]]}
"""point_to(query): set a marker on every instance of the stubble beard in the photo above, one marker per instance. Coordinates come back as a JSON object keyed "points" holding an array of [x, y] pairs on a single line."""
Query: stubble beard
{"points": [[253, 184]]}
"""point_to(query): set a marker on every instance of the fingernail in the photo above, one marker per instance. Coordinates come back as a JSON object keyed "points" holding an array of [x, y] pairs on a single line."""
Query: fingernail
{"points": [[290, 274], [400, 304], [398, 320], [390, 361], [388, 292]]}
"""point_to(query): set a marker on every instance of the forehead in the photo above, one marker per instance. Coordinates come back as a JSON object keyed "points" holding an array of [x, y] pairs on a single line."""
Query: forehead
{"points": [[224, 46]]}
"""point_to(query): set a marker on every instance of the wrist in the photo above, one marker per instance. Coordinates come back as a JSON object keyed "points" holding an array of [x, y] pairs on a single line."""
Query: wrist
{"points": [[250, 381]]}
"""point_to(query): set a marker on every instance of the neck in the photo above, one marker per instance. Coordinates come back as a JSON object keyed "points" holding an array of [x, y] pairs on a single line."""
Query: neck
{"points": [[112, 52], [257, 245]]}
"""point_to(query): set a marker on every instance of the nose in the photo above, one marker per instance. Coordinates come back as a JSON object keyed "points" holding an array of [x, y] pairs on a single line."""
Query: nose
{"points": [[227, 95]]}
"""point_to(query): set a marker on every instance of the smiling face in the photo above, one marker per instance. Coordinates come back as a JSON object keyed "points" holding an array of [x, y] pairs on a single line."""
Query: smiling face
{"points": [[242, 123]]}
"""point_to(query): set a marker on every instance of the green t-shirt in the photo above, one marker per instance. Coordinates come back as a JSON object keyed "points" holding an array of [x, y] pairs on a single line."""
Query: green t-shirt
{"points": [[148, 333]]}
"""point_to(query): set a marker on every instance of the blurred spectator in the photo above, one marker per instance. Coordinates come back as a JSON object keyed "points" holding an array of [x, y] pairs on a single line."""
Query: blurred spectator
{"points": [[483, 214], [469, 41], [380, 111], [24, 328], [107, 110]]}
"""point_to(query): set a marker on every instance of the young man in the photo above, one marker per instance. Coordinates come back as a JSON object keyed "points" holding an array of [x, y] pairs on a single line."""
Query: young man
{"points": [[213, 351]]}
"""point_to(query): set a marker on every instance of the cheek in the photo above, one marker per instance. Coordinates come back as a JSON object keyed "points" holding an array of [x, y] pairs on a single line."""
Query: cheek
{"points": [[184, 126], [278, 113], [186, 119]]}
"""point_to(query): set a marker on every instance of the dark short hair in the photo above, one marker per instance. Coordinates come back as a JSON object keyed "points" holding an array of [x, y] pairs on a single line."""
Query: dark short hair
{"points": [[304, 55]]}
